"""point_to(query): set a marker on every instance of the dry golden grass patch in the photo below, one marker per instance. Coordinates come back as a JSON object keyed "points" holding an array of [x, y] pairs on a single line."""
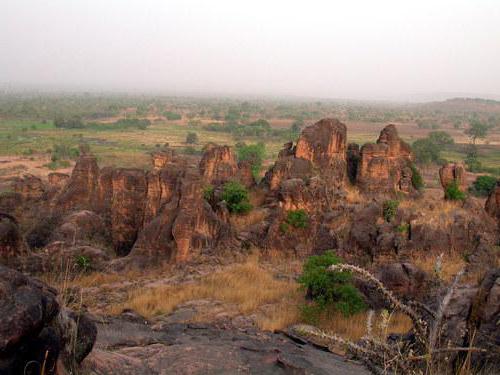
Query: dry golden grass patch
{"points": [[353, 195], [451, 264], [247, 285], [354, 327], [253, 217]]}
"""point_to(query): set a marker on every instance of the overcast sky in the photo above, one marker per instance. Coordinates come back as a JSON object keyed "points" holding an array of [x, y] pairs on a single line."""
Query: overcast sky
{"points": [[371, 49]]}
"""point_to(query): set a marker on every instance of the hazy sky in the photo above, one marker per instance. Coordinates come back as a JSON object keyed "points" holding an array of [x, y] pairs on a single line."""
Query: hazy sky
{"points": [[372, 49]]}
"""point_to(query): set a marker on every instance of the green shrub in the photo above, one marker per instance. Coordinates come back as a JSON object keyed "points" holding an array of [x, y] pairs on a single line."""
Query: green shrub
{"points": [[171, 116], [236, 197], [192, 138], [483, 186], [208, 192], [416, 178], [284, 228], [83, 262], [403, 228], [453, 192], [297, 218], [330, 289], [390, 209]]}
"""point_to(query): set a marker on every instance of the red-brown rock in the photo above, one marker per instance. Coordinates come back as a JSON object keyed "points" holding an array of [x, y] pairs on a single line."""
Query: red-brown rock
{"points": [[12, 244], [493, 203], [30, 187], [385, 166], [218, 164], [58, 180], [450, 173]]}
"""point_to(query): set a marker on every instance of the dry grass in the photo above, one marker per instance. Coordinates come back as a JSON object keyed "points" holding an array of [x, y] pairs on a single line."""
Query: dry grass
{"points": [[247, 285], [353, 195], [253, 217], [451, 264], [355, 327]]}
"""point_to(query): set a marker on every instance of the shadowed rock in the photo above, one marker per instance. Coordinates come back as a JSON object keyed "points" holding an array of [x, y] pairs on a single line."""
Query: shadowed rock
{"points": [[451, 173]]}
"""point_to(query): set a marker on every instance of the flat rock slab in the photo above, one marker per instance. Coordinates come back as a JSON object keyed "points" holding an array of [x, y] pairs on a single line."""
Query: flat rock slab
{"points": [[132, 346]]}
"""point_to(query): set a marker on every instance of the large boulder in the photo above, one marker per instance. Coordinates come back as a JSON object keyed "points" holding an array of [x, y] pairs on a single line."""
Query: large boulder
{"points": [[35, 332], [58, 180], [80, 227], [384, 167]]}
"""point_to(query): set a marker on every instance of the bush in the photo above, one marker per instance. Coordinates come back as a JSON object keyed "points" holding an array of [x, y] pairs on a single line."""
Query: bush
{"points": [[236, 197], [74, 122], [416, 178], [171, 116], [390, 209], [254, 154], [483, 186], [297, 219], [192, 138], [330, 289], [453, 192], [83, 263]]}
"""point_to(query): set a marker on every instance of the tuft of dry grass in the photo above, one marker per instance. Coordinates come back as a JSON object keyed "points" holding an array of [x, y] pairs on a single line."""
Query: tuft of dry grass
{"points": [[247, 285], [451, 264], [255, 216], [353, 195]]}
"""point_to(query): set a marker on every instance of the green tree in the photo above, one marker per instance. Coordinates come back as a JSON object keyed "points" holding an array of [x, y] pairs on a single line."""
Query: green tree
{"points": [[254, 154], [426, 151], [440, 138], [192, 138], [483, 186], [477, 130]]}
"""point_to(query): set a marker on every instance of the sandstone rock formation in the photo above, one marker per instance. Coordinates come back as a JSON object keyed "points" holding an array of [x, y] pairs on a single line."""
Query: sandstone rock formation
{"points": [[493, 203], [384, 167], [450, 173], [58, 180], [80, 227], [30, 187], [34, 330], [81, 190], [218, 164], [321, 149]]}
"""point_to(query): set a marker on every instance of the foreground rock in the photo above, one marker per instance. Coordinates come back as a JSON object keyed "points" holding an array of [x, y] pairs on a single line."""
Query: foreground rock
{"points": [[131, 346], [35, 332], [12, 244]]}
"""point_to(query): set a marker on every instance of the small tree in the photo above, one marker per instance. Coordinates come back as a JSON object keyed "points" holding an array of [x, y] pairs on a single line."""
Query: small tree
{"points": [[192, 138], [390, 209], [297, 218], [236, 197], [477, 130], [330, 289], [254, 154]]}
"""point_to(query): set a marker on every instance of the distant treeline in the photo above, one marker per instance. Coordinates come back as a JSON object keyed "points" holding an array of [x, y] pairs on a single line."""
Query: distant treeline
{"points": [[75, 122]]}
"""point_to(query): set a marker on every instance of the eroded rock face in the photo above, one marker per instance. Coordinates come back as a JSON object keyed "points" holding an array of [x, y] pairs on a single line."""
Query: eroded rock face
{"points": [[385, 166], [127, 208], [12, 244], [320, 150], [218, 164], [81, 189], [30, 187], [34, 330], [58, 180], [450, 173], [185, 223], [493, 203], [80, 227]]}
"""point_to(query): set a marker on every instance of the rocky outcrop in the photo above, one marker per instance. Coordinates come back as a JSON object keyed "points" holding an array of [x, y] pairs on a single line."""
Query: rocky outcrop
{"points": [[320, 150], [81, 190], [218, 164], [127, 208], [384, 167], [30, 187], [353, 157], [35, 331], [185, 224], [58, 180], [493, 203], [12, 244], [82, 228], [452, 173]]}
